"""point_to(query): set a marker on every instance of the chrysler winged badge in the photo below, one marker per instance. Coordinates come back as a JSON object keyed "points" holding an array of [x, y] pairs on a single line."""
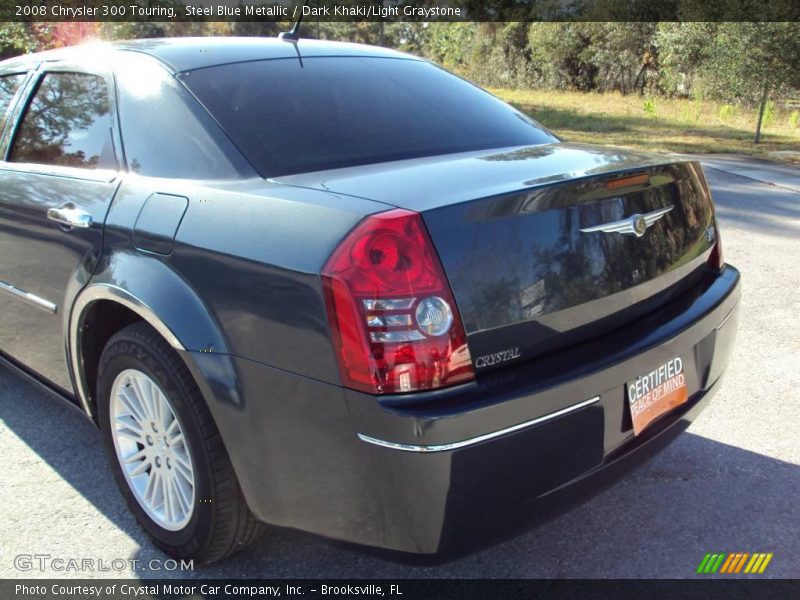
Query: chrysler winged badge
{"points": [[634, 225]]}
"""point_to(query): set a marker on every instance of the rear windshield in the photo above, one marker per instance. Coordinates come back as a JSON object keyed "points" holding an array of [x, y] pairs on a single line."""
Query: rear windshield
{"points": [[330, 112]]}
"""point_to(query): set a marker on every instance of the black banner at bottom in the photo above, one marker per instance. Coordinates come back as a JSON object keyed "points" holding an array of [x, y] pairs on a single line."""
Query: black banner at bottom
{"points": [[401, 589]]}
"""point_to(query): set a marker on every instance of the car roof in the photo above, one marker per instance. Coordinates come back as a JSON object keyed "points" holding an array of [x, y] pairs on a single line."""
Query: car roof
{"points": [[187, 54]]}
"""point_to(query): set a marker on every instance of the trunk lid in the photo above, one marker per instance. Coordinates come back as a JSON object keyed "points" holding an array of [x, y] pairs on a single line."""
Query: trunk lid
{"points": [[533, 240]]}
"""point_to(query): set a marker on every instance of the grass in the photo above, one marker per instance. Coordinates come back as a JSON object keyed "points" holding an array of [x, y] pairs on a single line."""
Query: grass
{"points": [[658, 124]]}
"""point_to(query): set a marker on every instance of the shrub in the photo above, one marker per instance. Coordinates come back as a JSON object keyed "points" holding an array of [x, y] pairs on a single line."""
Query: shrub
{"points": [[769, 114], [726, 111]]}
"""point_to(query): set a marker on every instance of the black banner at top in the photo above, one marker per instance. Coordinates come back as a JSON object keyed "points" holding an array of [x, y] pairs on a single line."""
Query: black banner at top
{"points": [[399, 10]]}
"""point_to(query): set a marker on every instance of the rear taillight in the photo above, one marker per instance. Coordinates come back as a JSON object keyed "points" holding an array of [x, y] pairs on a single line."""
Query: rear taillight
{"points": [[393, 317], [716, 260]]}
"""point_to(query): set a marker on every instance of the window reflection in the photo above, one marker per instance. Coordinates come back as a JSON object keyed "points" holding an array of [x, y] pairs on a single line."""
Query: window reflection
{"points": [[9, 84], [178, 139], [68, 123]]}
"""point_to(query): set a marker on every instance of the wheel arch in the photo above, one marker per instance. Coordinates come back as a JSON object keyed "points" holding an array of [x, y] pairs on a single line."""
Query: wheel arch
{"points": [[142, 288]]}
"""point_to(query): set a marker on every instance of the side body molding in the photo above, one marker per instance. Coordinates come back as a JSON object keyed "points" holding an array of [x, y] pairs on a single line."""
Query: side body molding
{"points": [[159, 296]]}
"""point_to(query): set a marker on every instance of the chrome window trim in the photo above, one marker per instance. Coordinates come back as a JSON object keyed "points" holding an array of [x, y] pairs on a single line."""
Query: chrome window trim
{"points": [[480, 438], [106, 291], [32, 299], [95, 175]]}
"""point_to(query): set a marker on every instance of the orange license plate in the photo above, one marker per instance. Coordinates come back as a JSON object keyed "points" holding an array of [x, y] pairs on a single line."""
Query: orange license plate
{"points": [[654, 393]]}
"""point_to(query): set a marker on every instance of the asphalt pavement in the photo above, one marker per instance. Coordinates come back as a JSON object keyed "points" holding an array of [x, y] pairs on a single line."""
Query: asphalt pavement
{"points": [[729, 484]]}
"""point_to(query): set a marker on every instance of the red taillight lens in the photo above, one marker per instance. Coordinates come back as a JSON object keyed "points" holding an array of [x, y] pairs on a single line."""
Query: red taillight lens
{"points": [[393, 317], [716, 260]]}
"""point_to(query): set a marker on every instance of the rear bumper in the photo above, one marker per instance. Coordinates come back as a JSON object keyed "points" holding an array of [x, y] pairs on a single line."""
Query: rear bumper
{"points": [[441, 472]]}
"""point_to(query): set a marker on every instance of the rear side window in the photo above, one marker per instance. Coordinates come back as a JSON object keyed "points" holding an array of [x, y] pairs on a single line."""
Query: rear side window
{"points": [[9, 85], [67, 123], [166, 133], [329, 112]]}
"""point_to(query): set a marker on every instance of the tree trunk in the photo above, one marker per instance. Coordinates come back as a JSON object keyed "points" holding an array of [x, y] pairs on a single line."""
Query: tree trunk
{"points": [[761, 108], [641, 76]]}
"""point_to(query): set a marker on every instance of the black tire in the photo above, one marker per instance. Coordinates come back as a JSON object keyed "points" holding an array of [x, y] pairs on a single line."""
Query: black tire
{"points": [[221, 523]]}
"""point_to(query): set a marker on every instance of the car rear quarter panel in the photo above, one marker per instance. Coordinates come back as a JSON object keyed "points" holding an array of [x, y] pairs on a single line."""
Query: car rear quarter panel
{"points": [[243, 276]]}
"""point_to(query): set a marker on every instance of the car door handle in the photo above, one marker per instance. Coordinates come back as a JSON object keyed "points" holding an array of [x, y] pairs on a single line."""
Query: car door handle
{"points": [[70, 215]]}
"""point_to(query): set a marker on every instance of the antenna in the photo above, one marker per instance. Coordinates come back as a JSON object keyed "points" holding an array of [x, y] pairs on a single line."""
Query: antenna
{"points": [[294, 34]]}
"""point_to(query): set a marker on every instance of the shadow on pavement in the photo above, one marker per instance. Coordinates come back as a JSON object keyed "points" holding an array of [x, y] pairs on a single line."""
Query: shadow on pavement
{"points": [[755, 205]]}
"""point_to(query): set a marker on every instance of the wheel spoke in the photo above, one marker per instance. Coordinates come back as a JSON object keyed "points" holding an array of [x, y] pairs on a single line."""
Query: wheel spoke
{"points": [[163, 412], [129, 422], [144, 398], [131, 402], [157, 403], [183, 471], [136, 457], [129, 434], [172, 427], [140, 469], [150, 488], [183, 462], [158, 490], [128, 431], [182, 496], [170, 493], [181, 504]]}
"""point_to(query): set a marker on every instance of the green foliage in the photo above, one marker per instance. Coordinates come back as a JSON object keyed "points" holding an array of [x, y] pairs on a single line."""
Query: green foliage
{"points": [[691, 113], [794, 118], [650, 107], [725, 112], [681, 48], [15, 39], [449, 43], [624, 55], [499, 56], [739, 63], [408, 37], [733, 63], [560, 55], [769, 113]]}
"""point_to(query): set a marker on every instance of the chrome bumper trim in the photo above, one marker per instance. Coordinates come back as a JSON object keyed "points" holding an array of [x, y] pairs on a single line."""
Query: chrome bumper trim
{"points": [[28, 297], [728, 316], [480, 438]]}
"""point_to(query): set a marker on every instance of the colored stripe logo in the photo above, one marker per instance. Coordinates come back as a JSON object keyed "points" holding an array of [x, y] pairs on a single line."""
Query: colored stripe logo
{"points": [[735, 562]]}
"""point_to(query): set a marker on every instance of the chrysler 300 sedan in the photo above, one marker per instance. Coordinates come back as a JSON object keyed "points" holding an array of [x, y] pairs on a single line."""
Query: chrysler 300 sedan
{"points": [[336, 288]]}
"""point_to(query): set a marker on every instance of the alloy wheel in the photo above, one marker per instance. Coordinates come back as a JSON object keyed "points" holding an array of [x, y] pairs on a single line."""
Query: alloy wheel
{"points": [[152, 450]]}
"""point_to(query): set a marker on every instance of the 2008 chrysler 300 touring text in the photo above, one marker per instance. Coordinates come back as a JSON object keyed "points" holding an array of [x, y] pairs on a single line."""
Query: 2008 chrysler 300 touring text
{"points": [[334, 287]]}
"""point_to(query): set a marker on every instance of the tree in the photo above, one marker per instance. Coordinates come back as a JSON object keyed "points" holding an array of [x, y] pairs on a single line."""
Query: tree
{"points": [[623, 54], [746, 63], [561, 55], [751, 62], [449, 43], [15, 39]]}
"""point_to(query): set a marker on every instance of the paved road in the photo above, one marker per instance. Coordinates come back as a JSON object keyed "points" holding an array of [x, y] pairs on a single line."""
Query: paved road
{"points": [[730, 484]]}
